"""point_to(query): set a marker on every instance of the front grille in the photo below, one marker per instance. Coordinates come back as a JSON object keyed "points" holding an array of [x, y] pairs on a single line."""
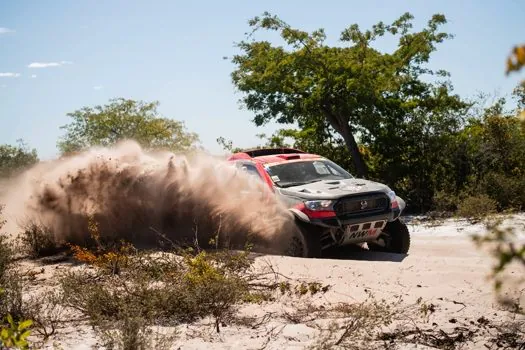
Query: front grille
{"points": [[362, 205]]}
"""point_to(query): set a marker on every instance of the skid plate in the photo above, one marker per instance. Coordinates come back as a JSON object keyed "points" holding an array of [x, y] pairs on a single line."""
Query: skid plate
{"points": [[366, 231]]}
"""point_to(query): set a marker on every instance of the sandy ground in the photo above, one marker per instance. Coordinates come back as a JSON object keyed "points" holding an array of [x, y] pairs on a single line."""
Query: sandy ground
{"points": [[443, 268]]}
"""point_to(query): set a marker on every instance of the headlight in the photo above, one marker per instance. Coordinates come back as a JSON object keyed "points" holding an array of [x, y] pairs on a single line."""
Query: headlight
{"points": [[319, 205]]}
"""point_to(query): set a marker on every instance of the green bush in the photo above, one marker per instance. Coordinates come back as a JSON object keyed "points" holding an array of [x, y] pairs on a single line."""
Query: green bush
{"points": [[6, 255], [13, 327], [157, 291], [14, 334], [445, 202], [166, 289], [507, 191], [38, 240], [477, 207], [10, 282]]}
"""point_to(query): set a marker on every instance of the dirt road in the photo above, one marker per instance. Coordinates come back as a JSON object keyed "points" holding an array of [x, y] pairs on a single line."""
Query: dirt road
{"points": [[443, 262], [444, 270]]}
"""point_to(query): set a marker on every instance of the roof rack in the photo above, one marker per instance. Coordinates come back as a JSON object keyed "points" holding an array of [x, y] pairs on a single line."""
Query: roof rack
{"points": [[257, 152]]}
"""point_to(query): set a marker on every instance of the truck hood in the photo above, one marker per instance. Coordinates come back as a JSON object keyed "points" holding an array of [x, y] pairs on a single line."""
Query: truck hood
{"points": [[332, 189]]}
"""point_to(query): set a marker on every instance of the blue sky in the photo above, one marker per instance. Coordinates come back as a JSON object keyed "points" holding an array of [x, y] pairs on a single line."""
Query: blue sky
{"points": [[58, 56]]}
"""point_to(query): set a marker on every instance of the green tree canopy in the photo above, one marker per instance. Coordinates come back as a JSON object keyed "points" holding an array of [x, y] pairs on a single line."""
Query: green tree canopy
{"points": [[16, 158], [124, 119], [353, 90]]}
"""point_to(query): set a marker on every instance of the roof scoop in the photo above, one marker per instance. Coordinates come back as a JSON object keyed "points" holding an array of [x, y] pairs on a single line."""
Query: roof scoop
{"points": [[289, 156]]}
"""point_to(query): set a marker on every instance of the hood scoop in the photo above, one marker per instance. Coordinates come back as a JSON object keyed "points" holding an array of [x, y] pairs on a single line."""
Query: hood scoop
{"points": [[305, 190], [333, 182]]}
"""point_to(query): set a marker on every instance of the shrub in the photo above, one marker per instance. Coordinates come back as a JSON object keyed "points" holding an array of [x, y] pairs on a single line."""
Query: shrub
{"points": [[14, 334], [131, 333], [164, 289], [10, 281], [13, 327], [445, 202], [38, 240], [352, 325], [477, 207], [6, 255], [108, 257], [507, 191], [155, 290], [11, 298]]}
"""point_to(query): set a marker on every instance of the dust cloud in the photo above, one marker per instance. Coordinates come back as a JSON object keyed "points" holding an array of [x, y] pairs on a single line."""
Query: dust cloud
{"points": [[146, 198]]}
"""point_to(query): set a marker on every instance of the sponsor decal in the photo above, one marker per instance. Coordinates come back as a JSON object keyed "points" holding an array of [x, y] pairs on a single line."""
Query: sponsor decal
{"points": [[361, 234]]}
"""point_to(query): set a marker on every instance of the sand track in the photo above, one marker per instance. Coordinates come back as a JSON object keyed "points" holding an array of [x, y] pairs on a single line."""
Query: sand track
{"points": [[443, 268]]}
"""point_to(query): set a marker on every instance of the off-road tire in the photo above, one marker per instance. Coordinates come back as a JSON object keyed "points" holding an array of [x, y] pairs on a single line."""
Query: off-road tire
{"points": [[397, 239], [305, 241]]}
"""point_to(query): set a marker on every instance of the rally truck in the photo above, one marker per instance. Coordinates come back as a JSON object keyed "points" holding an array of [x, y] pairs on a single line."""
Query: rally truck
{"points": [[332, 208]]}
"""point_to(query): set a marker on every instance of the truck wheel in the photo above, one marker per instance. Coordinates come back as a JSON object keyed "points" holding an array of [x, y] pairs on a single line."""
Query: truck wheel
{"points": [[395, 238], [305, 241]]}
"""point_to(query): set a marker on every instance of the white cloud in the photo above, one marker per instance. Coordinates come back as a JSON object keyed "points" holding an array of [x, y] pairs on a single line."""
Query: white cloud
{"points": [[33, 76], [6, 30], [43, 65], [98, 87], [9, 75], [48, 64]]}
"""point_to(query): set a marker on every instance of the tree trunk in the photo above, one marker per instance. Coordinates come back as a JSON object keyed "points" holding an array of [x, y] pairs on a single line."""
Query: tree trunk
{"points": [[357, 157], [343, 128]]}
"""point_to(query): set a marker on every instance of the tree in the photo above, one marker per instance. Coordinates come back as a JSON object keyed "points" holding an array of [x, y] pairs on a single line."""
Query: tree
{"points": [[500, 143], [227, 145], [315, 140], [124, 119], [354, 90], [415, 150], [13, 159]]}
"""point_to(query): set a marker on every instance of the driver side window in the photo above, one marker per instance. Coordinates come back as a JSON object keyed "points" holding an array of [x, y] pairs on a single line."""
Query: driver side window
{"points": [[325, 169], [334, 171], [321, 168]]}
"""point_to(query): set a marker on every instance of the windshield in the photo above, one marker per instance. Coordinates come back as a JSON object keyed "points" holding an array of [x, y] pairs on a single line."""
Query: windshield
{"points": [[305, 171]]}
